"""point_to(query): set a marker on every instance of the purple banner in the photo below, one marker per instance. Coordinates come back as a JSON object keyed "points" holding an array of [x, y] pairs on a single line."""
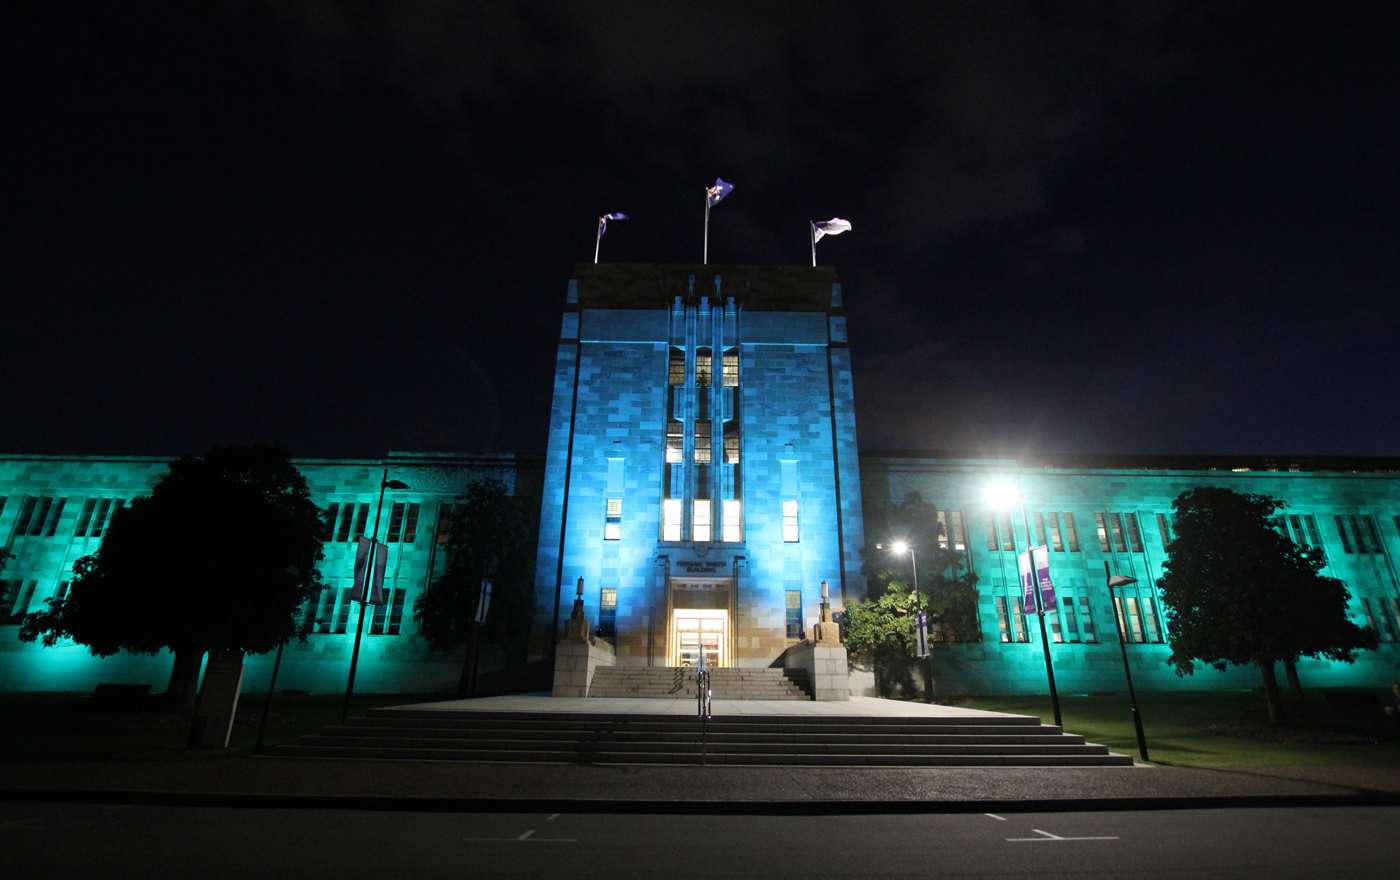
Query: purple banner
{"points": [[1027, 583], [1042, 573]]}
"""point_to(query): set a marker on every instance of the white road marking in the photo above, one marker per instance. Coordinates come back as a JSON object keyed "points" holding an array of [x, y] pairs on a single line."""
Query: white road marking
{"points": [[527, 837], [1046, 835], [23, 824], [552, 818], [995, 816]]}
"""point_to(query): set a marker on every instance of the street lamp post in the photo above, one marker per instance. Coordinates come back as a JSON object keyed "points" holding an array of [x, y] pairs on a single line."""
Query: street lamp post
{"points": [[1040, 610], [900, 548], [1119, 580], [384, 484]]}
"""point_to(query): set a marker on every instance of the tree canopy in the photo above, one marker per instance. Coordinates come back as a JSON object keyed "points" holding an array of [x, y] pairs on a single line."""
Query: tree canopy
{"points": [[221, 556], [1237, 591], [882, 628], [490, 538]]}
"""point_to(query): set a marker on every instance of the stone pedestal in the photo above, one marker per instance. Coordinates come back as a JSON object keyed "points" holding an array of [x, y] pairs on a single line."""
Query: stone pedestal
{"points": [[574, 663], [218, 700], [826, 668]]}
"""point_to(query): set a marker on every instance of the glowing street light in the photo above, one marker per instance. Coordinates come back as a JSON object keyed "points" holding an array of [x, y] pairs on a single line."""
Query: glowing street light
{"points": [[1119, 580], [899, 548], [1003, 496]]}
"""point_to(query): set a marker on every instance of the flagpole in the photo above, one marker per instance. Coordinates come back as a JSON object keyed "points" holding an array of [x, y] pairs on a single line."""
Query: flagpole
{"points": [[812, 228], [599, 243], [364, 598], [706, 259]]}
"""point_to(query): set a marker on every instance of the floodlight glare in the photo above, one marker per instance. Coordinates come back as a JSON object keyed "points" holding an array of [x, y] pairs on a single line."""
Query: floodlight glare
{"points": [[1003, 496], [900, 547]]}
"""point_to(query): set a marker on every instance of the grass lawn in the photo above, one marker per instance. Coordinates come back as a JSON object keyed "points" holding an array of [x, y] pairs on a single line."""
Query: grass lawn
{"points": [[1170, 721], [65, 726]]}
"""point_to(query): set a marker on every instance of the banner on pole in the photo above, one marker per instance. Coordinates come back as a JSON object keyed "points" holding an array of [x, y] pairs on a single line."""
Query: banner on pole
{"points": [[921, 634], [1035, 577], [381, 560], [1041, 556], [483, 603]]}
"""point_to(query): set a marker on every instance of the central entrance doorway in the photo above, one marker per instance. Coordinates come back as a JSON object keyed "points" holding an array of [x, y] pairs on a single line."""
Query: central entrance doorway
{"points": [[699, 630]]}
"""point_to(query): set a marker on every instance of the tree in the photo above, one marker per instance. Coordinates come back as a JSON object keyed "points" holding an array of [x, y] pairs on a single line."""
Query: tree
{"points": [[221, 556], [1237, 591], [882, 629], [490, 538]]}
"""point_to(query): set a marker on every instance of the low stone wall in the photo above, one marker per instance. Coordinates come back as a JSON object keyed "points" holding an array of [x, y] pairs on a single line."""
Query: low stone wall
{"points": [[826, 669], [574, 663]]}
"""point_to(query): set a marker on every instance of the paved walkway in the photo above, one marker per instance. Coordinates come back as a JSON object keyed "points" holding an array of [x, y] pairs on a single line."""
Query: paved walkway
{"points": [[856, 706]]}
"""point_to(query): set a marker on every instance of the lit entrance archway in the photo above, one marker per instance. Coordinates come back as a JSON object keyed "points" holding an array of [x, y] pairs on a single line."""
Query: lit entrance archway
{"points": [[694, 630]]}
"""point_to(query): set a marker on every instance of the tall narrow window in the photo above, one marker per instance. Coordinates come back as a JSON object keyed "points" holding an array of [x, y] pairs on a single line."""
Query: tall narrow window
{"points": [[1071, 536], [84, 517], [1071, 625], [1040, 529], [396, 611], [54, 518], [1003, 619], [990, 521], [955, 522], [1086, 620], [410, 524], [342, 611], [1134, 535], [731, 367], [1115, 522], [676, 371], [1371, 618], [1008, 538], [607, 613], [328, 520], [347, 522], [731, 442], [675, 443], [444, 521], [1056, 542], [1103, 531], [794, 614], [1018, 619], [1342, 533], [1314, 535], [26, 516], [1135, 619], [703, 368], [700, 524], [703, 436], [1056, 634], [1149, 616], [395, 522], [1163, 529], [671, 519], [733, 521], [1365, 532], [612, 526], [790, 522]]}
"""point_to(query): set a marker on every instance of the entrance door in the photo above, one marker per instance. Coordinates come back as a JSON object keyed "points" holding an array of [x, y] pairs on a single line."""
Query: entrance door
{"points": [[694, 630]]}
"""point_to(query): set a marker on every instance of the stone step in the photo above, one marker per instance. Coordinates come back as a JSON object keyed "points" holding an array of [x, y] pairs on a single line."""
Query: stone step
{"points": [[693, 734]]}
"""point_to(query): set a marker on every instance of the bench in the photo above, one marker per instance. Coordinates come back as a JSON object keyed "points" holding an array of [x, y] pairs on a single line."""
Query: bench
{"points": [[119, 697]]}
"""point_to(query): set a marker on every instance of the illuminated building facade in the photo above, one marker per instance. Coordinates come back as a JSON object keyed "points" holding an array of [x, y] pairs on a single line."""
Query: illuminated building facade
{"points": [[703, 479]]}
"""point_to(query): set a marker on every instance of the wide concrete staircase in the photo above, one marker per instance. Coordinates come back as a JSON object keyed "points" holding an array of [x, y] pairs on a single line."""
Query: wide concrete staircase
{"points": [[726, 683], [775, 740]]}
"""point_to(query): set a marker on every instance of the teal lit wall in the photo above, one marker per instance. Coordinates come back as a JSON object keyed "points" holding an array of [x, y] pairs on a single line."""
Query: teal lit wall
{"points": [[388, 662], [994, 667]]}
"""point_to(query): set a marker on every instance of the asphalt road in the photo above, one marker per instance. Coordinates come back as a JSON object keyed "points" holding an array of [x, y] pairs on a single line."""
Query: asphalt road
{"points": [[66, 840]]}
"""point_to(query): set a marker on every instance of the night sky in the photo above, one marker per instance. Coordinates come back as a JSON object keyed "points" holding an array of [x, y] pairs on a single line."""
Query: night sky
{"points": [[348, 227]]}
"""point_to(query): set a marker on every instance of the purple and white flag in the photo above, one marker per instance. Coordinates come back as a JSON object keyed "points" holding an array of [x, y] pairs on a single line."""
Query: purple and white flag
{"points": [[834, 226], [1027, 583], [717, 192], [381, 561], [603, 221], [1042, 574]]}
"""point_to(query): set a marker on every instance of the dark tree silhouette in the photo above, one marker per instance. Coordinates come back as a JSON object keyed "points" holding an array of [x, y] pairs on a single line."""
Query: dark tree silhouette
{"points": [[882, 629], [1238, 591], [221, 556], [490, 538]]}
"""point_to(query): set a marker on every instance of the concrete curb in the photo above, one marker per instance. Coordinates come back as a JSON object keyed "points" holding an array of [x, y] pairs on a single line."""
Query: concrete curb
{"points": [[691, 807]]}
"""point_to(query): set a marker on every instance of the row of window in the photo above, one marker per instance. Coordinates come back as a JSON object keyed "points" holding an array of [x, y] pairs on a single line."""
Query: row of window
{"points": [[701, 521], [38, 517], [1074, 622], [702, 450], [333, 611], [346, 522], [704, 368]]}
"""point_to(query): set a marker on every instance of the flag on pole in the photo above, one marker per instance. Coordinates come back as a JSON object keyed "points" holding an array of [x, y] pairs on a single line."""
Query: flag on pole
{"points": [[834, 226], [715, 194], [603, 221], [381, 560]]}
